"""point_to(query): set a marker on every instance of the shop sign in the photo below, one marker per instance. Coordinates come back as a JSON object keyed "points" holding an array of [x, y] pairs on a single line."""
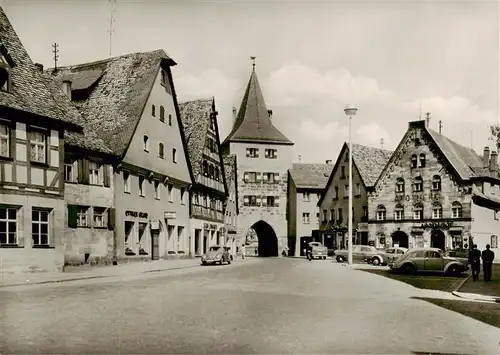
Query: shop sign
{"points": [[169, 215], [437, 225], [136, 214]]}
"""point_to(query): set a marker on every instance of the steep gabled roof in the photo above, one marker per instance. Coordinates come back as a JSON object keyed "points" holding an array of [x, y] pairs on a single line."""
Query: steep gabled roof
{"points": [[253, 123], [230, 166], [310, 176], [369, 162], [29, 91], [115, 93]]}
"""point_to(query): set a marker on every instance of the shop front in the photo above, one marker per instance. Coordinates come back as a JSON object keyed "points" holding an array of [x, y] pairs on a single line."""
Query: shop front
{"points": [[207, 234]]}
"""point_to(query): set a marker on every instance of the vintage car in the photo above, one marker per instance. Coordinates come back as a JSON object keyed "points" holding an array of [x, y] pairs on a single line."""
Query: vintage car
{"points": [[217, 254], [316, 250], [392, 254], [361, 253], [428, 260]]}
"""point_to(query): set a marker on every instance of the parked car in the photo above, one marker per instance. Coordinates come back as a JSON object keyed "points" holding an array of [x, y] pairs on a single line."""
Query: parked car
{"points": [[428, 260], [361, 253], [392, 254], [217, 254], [317, 250]]}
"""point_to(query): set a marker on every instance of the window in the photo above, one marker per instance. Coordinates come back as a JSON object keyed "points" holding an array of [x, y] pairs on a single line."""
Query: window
{"points": [[317, 216], [422, 160], [381, 213], [342, 172], [174, 155], [271, 178], [81, 216], [252, 153], [145, 143], [270, 201], [346, 191], [305, 218], [437, 211], [170, 193], [417, 254], [153, 110], [40, 227], [358, 189], [339, 216], [346, 157], [99, 217], [400, 185], [169, 119], [162, 114], [38, 145], [126, 182], [4, 141], [418, 212], [68, 172], [250, 200], [306, 196], [271, 153], [161, 151], [433, 255], [418, 184], [414, 161], [183, 190], [436, 183], [456, 210], [94, 177], [332, 215], [141, 186], [157, 189], [336, 192], [251, 177], [325, 215], [494, 241], [399, 212], [8, 226]]}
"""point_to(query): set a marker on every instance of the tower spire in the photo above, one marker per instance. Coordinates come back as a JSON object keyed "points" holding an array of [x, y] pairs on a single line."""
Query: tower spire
{"points": [[253, 62]]}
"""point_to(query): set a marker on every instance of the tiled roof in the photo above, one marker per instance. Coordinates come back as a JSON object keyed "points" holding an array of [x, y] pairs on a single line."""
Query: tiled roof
{"points": [[230, 167], [195, 116], [118, 89], [370, 162], [29, 91], [313, 176], [253, 123]]}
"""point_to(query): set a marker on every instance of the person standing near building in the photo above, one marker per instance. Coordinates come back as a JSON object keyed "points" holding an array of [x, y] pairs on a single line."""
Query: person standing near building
{"points": [[475, 262], [243, 251], [488, 256]]}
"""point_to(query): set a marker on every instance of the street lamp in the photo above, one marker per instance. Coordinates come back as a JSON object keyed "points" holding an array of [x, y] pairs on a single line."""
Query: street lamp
{"points": [[350, 110]]}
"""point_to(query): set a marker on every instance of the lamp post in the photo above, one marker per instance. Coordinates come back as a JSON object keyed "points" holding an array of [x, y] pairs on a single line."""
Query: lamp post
{"points": [[350, 110]]}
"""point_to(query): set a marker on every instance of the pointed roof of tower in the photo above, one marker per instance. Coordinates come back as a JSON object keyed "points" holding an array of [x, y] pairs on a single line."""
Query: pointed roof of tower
{"points": [[253, 123]]}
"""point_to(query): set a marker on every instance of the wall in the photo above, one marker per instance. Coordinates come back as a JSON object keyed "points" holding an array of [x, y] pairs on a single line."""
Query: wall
{"points": [[486, 223], [292, 208], [304, 206]]}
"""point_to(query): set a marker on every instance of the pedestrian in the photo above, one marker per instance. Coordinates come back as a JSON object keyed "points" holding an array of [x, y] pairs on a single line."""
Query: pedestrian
{"points": [[475, 262], [243, 251], [488, 256]]}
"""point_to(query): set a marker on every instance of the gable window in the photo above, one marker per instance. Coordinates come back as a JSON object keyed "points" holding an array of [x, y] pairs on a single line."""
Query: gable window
{"points": [[153, 110], [141, 186], [170, 193], [399, 212], [4, 141], [456, 210], [183, 190], [346, 191], [252, 153], [174, 155], [157, 189], [94, 177], [126, 182], [81, 216], [332, 215], [437, 211], [325, 215], [436, 183], [40, 227], [358, 189], [336, 192], [162, 114], [418, 184], [161, 151], [271, 153], [400, 185], [145, 143], [38, 146], [306, 196], [339, 216], [346, 157], [418, 211], [342, 172], [422, 160], [164, 80], [414, 161], [381, 213], [4, 75], [8, 226], [169, 119], [306, 218]]}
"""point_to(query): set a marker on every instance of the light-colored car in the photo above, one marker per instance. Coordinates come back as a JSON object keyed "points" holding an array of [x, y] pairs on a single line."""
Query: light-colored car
{"points": [[428, 260], [317, 250], [361, 253], [392, 254], [217, 254]]}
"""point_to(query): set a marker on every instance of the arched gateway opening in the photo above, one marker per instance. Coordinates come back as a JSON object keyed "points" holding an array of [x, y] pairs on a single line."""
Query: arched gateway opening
{"points": [[438, 239], [400, 238], [267, 242]]}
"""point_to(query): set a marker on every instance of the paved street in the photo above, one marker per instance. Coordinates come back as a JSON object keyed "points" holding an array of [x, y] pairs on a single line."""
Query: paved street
{"points": [[265, 306]]}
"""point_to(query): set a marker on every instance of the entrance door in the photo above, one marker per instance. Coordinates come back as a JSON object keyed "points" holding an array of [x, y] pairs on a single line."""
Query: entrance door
{"points": [[155, 245], [438, 239], [205, 243]]}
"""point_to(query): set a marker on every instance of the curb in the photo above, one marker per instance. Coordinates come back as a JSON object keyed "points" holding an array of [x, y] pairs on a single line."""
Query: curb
{"points": [[489, 299], [461, 284]]}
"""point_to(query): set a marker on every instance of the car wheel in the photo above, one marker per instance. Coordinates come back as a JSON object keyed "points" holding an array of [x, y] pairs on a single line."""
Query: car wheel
{"points": [[324, 258], [454, 270], [409, 268], [375, 261], [340, 259]]}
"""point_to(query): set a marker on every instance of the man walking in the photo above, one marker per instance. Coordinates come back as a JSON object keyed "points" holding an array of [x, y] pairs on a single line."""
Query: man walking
{"points": [[475, 262], [488, 256]]}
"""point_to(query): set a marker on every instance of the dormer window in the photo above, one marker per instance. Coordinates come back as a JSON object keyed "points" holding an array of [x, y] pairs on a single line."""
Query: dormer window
{"points": [[5, 78], [422, 160]]}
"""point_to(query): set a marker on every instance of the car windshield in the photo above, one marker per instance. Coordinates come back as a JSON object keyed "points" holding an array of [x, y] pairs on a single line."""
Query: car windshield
{"points": [[214, 248]]}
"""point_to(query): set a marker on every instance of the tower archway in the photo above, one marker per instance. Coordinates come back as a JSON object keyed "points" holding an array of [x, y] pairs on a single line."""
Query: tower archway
{"points": [[266, 239]]}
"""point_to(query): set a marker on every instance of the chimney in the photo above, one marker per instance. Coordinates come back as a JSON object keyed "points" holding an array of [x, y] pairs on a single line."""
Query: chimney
{"points": [[427, 119], [329, 162], [486, 157], [494, 163], [270, 113], [234, 115], [39, 67], [66, 88]]}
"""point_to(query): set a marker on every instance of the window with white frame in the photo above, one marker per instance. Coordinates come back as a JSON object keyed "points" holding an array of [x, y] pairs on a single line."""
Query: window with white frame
{"points": [[418, 211], [94, 176], [381, 213], [157, 189], [38, 147], [437, 211], [99, 216], [40, 227], [399, 212], [82, 216], [4, 141], [400, 185], [436, 183], [422, 160], [8, 226], [69, 170], [145, 143], [456, 210], [418, 184], [142, 191], [252, 153], [414, 161], [271, 153], [126, 182], [306, 218], [170, 193], [306, 196]]}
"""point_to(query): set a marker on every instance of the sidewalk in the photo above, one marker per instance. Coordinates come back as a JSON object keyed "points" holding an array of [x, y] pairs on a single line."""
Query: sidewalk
{"points": [[480, 290], [85, 272]]}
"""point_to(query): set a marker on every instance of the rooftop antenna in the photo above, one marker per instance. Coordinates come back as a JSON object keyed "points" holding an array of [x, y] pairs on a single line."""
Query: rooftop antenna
{"points": [[253, 62], [111, 29], [440, 126], [381, 143], [55, 50], [300, 158]]}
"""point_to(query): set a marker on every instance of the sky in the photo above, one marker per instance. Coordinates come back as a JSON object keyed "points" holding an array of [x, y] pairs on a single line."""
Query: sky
{"points": [[393, 59]]}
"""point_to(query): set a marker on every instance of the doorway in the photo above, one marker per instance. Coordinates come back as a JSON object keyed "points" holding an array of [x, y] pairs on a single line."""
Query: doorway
{"points": [[197, 242], [155, 245], [438, 239]]}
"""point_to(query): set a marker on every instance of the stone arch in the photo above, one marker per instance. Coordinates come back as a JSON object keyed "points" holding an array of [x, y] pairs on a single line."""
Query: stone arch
{"points": [[438, 239], [401, 238], [267, 241]]}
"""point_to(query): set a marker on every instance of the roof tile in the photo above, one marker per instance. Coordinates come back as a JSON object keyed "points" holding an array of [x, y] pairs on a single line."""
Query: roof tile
{"points": [[313, 176], [370, 162]]}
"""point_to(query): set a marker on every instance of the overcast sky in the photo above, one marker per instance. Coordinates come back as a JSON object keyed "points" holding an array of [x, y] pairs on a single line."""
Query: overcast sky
{"points": [[312, 58]]}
